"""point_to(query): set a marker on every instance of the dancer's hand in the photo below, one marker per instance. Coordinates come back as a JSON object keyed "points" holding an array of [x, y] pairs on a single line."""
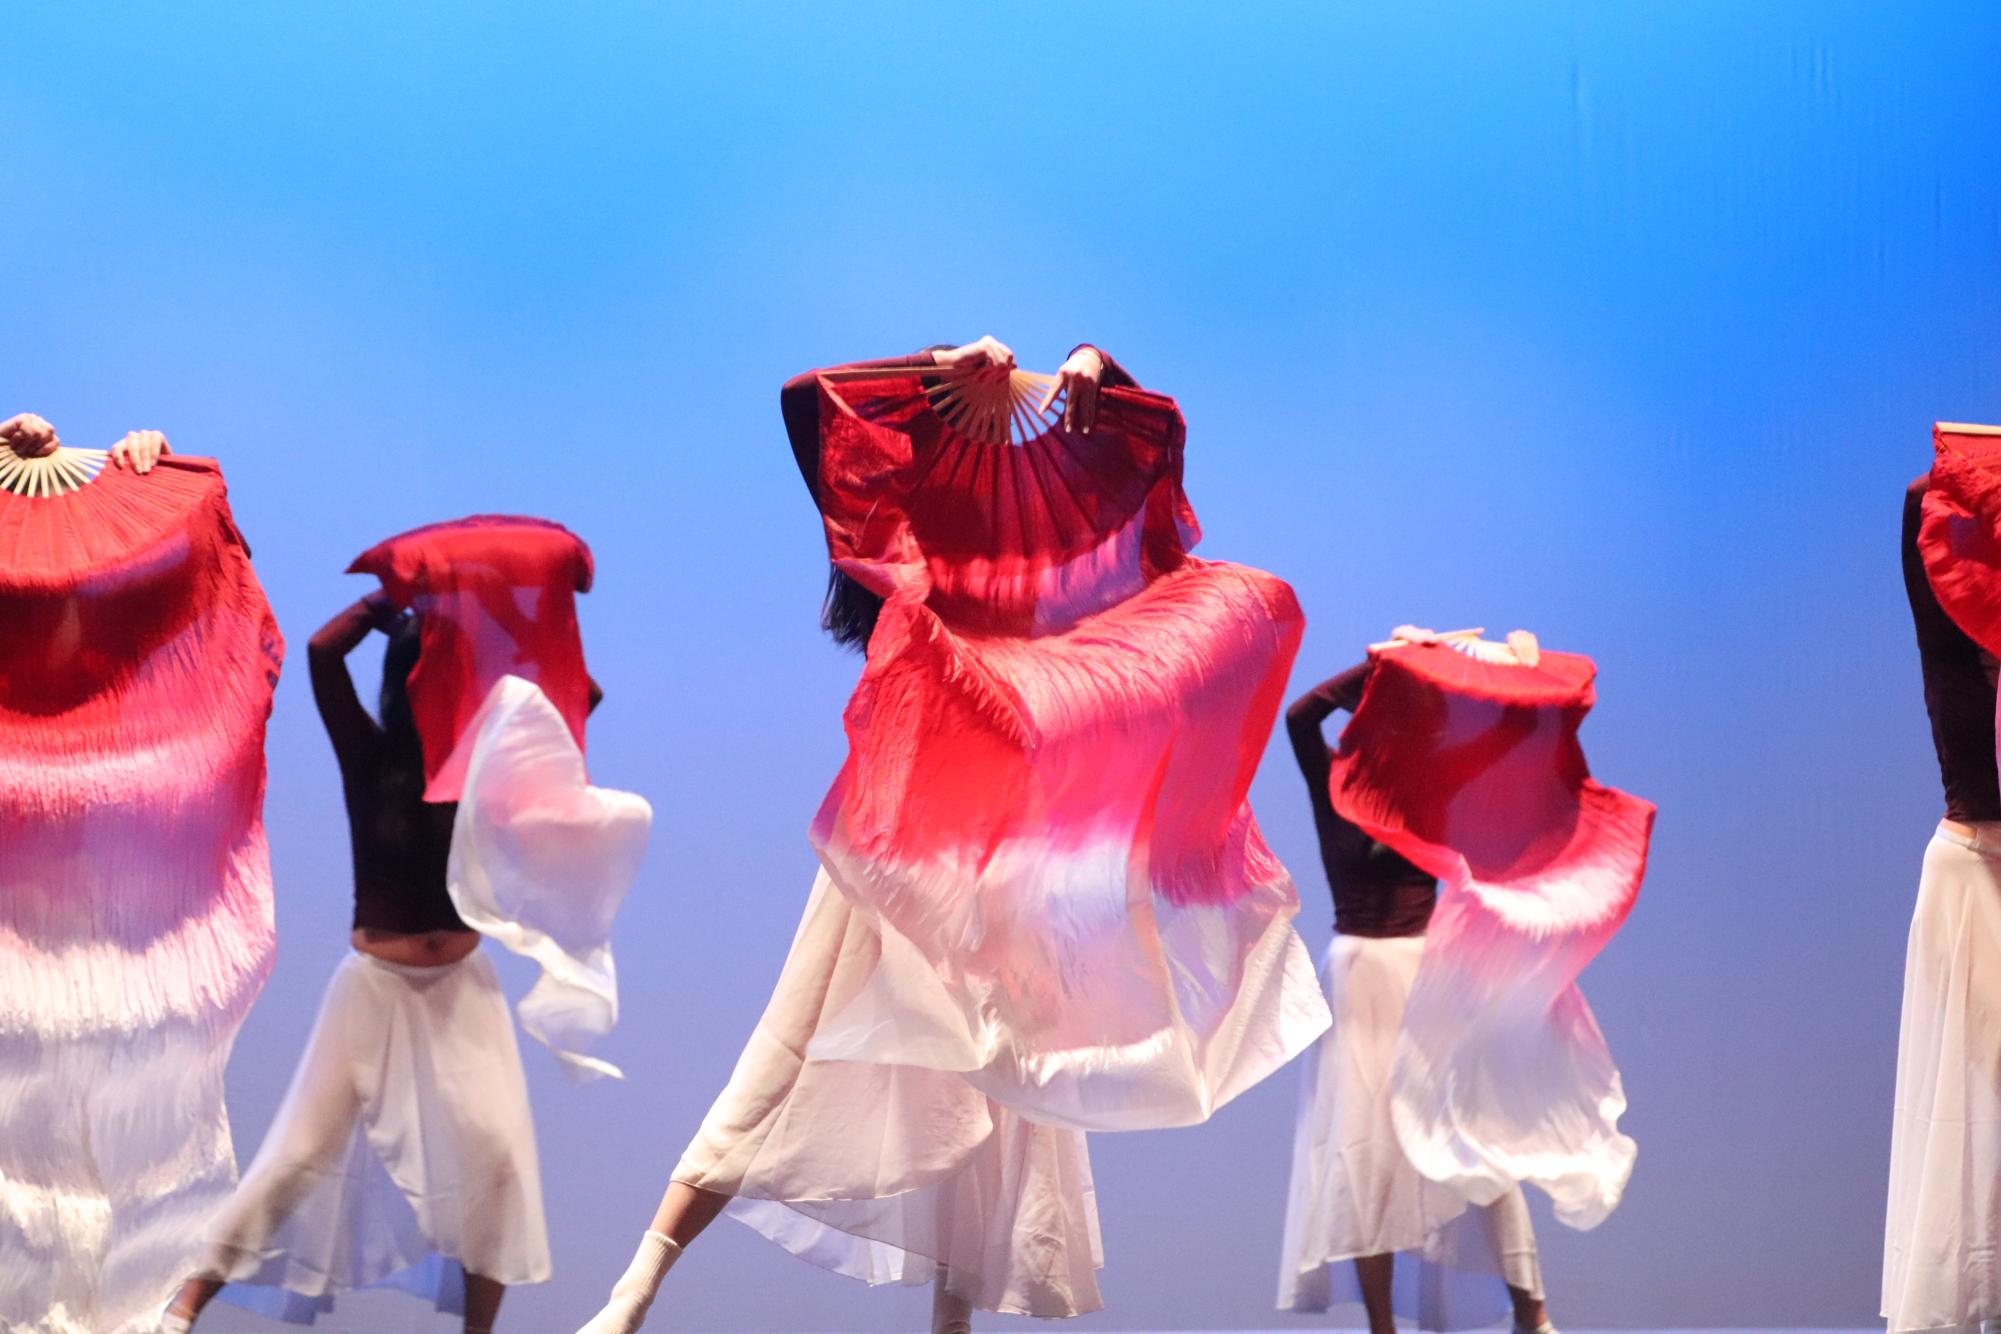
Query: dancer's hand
{"points": [[383, 613], [29, 436], [1415, 634], [986, 351], [1077, 380], [139, 451]]}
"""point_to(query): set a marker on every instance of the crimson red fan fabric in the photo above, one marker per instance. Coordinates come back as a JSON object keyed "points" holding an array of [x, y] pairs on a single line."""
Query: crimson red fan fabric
{"points": [[1466, 761], [1960, 534], [1044, 803], [136, 677], [497, 595]]}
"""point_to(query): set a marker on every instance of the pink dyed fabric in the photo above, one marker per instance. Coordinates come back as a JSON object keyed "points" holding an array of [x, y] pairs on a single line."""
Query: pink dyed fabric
{"points": [[1470, 767], [136, 675], [1044, 803]]}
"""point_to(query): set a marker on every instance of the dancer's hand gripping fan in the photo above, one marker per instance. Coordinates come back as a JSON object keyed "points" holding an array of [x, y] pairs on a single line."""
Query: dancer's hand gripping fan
{"points": [[1463, 757], [540, 859]]}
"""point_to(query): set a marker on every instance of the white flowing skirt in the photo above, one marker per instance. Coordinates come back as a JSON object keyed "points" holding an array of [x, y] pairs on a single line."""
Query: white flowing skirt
{"points": [[1355, 1193], [403, 1154], [1942, 1240], [888, 1173]]}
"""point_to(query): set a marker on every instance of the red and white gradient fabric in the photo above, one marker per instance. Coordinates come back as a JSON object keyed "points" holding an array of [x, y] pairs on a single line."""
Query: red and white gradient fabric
{"points": [[540, 859], [1467, 763], [1959, 536], [136, 672], [1044, 808]]}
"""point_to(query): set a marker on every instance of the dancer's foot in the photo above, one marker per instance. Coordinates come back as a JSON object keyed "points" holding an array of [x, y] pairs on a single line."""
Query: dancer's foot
{"points": [[634, 1293], [949, 1314]]}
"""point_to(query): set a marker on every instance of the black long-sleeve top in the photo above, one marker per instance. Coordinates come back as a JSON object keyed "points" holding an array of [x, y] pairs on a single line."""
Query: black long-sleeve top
{"points": [[1376, 892], [1959, 686], [400, 842]]}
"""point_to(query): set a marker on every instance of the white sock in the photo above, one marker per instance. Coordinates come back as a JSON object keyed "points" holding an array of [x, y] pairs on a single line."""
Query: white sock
{"points": [[173, 1322], [1544, 1328], [634, 1293], [949, 1314]]}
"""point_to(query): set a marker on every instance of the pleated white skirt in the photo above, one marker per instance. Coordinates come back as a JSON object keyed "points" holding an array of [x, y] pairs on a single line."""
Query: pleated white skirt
{"points": [[1942, 1238], [403, 1154], [887, 1173], [1353, 1191]]}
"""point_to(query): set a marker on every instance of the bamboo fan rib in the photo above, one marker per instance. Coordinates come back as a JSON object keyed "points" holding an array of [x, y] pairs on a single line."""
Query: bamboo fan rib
{"points": [[983, 403], [1520, 650], [53, 474]]}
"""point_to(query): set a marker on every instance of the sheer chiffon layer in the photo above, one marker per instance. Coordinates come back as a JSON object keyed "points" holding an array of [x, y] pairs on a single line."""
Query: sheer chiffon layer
{"points": [[541, 861], [1942, 1237], [1354, 1192], [1044, 808], [403, 1151], [136, 675], [890, 1173]]}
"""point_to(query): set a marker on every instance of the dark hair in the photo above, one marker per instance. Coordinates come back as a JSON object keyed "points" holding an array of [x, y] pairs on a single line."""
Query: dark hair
{"points": [[398, 661], [849, 611]]}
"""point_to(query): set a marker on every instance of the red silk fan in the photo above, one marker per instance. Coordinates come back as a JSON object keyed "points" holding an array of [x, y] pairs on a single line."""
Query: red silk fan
{"points": [[1463, 756], [996, 405], [496, 596], [1959, 535]]}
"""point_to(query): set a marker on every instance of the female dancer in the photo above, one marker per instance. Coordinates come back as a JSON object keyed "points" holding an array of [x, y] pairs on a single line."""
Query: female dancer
{"points": [[376, 1169], [1354, 1195], [874, 1123], [1943, 1226]]}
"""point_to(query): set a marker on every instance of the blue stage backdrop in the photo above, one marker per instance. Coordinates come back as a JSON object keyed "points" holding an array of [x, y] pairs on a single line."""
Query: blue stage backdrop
{"points": [[1626, 324]]}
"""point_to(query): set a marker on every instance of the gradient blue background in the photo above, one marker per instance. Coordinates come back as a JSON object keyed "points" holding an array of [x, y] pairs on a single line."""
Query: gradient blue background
{"points": [[1623, 323]]}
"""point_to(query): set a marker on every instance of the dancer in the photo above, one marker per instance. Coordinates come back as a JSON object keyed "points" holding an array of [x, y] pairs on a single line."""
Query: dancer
{"points": [[1464, 1060], [404, 1153], [1942, 1235], [1043, 907], [1354, 1195], [137, 661]]}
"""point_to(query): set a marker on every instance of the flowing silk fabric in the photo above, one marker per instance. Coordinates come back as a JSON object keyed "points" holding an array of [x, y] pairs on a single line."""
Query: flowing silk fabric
{"points": [[497, 596], [1472, 770], [1044, 804], [540, 859], [136, 673], [1354, 1193]]}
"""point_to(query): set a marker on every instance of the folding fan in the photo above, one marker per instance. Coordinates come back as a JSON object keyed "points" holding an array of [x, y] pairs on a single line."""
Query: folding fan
{"points": [[995, 405], [52, 474]]}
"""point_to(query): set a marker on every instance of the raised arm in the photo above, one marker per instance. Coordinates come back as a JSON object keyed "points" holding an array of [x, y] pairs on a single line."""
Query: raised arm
{"points": [[348, 724], [1305, 719], [799, 403]]}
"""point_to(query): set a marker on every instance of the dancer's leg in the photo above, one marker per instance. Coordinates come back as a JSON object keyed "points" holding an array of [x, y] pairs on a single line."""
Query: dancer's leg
{"points": [[949, 1314], [195, 1294], [1531, 1317], [685, 1210], [1373, 1273], [482, 1303]]}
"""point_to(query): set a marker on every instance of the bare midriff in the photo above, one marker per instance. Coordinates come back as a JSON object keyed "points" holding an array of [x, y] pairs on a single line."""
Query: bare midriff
{"points": [[424, 949]]}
